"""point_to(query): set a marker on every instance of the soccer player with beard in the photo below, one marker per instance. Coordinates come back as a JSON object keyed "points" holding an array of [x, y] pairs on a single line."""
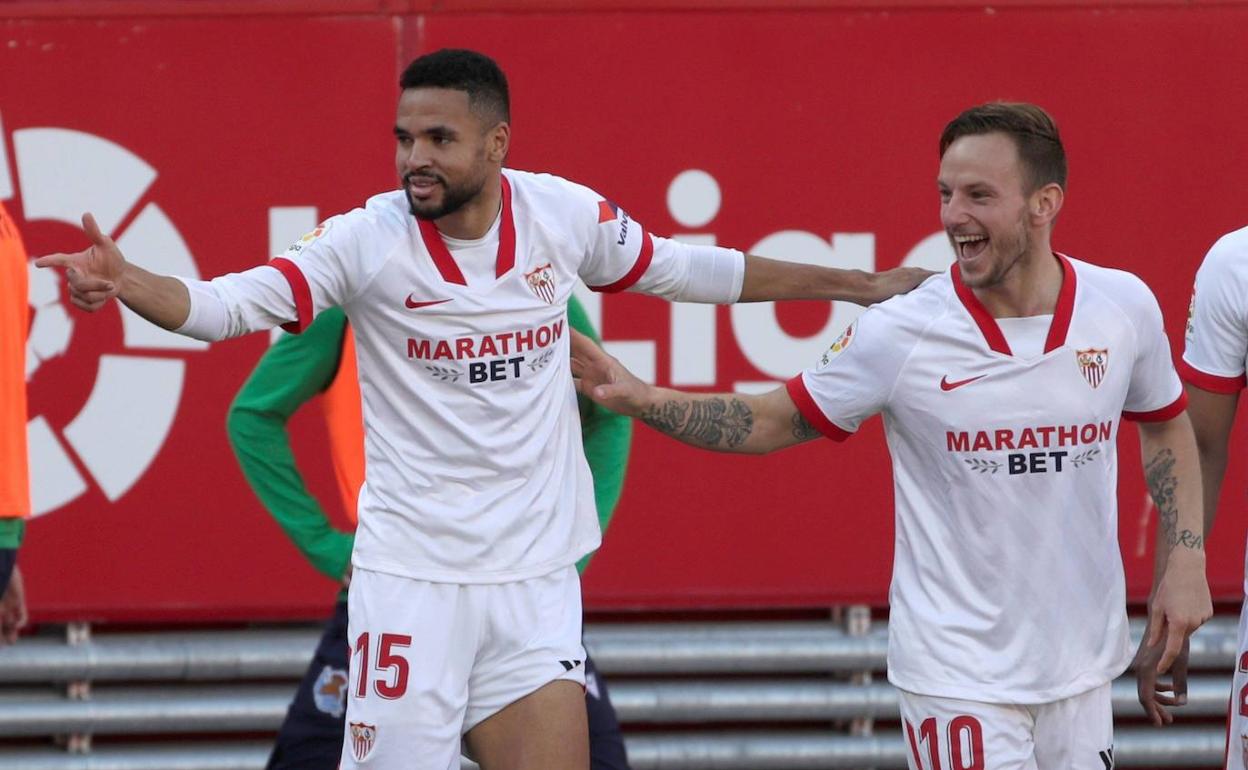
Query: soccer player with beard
{"points": [[1002, 384], [465, 607]]}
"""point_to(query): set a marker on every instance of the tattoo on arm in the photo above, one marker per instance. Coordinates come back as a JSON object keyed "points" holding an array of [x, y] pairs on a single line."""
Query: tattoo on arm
{"points": [[1159, 473], [803, 430], [667, 417], [710, 422]]}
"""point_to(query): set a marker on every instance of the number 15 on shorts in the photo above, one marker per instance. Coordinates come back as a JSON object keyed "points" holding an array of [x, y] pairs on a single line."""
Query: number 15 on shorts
{"points": [[387, 671]]}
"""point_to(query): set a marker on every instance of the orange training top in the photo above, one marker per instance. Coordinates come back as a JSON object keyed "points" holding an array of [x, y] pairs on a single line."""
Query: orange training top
{"points": [[345, 420], [14, 320]]}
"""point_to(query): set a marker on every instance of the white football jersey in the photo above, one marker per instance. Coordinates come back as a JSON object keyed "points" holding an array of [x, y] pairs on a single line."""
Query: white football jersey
{"points": [[1008, 584], [475, 471], [1216, 348]]}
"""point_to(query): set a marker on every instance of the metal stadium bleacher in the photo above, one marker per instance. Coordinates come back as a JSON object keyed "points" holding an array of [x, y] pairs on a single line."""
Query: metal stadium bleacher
{"points": [[706, 695]]}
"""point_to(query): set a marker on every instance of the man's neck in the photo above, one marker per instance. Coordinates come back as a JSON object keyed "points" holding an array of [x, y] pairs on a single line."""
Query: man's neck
{"points": [[474, 219], [1030, 288]]}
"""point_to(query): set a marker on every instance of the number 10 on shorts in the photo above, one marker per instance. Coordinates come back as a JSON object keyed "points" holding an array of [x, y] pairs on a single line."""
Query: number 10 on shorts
{"points": [[964, 744], [391, 666]]}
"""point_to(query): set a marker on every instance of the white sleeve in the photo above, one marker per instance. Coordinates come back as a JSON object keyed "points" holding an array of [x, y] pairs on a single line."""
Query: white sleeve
{"points": [[622, 255], [324, 268], [854, 379], [238, 303], [1155, 392], [684, 272], [318, 271], [1217, 327]]}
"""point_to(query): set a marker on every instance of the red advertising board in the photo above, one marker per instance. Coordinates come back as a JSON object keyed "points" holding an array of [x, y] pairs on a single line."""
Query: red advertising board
{"points": [[800, 133]]}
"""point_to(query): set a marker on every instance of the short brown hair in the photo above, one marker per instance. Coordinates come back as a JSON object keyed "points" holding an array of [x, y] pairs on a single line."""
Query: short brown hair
{"points": [[1033, 130]]}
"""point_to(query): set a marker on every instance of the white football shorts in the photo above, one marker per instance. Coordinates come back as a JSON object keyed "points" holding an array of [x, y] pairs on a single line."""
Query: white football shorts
{"points": [[429, 661], [1237, 717], [1075, 733]]}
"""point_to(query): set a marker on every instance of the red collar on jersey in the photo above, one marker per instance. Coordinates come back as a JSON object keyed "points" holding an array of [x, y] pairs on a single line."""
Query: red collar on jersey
{"points": [[988, 325], [446, 264]]}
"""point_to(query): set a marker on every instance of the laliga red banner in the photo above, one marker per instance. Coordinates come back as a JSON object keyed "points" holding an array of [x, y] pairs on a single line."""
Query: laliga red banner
{"points": [[205, 145]]}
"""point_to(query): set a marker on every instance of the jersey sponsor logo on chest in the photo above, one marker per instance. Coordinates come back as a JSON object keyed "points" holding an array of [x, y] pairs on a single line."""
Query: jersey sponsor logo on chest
{"points": [[1038, 449], [509, 354]]}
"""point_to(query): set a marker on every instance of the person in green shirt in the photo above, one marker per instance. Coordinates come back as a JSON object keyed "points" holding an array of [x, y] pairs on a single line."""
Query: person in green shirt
{"points": [[321, 362]]}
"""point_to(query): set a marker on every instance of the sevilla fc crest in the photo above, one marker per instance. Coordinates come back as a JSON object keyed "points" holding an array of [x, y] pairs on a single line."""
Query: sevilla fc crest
{"points": [[363, 739], [542, 282], [1092, 364]]}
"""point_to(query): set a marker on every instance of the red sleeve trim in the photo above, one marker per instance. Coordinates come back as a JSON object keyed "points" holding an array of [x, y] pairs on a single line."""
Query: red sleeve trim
{"points": [[811, 411], [1162, 414], [1211, 382], [299, 290], [639, 268]]}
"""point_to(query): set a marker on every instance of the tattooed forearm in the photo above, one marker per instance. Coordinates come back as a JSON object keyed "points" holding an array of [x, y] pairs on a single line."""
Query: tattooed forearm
{"points": [[1159, 473], [709, 422], [803, 430], [1190, 539], [666, 417]]}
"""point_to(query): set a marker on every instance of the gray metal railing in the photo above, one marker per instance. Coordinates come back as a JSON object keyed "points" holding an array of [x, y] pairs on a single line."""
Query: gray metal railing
{"points": [[191, 683], [255, 707], [642, 648], [751, 750]]}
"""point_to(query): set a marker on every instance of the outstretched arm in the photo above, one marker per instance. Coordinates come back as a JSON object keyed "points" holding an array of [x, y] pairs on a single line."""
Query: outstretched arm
{"points": [[101, 272], [773, 279], [723, 422]]}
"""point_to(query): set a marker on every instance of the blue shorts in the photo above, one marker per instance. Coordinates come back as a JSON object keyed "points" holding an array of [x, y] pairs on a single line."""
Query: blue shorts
{"points": [[8, 560]]}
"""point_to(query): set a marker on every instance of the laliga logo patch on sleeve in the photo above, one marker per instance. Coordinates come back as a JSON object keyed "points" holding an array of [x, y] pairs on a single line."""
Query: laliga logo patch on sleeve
{"points": [[309, 239], [1191, 311], [839, 346]]}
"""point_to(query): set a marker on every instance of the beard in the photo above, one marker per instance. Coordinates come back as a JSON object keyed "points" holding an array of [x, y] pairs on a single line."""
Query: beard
{"points": [[1010, 250], [454, 197]]}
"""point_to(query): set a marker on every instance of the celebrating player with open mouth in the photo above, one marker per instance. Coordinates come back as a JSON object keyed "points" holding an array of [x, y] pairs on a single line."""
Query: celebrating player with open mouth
{"points": [[465, 607], [1002, 383]]}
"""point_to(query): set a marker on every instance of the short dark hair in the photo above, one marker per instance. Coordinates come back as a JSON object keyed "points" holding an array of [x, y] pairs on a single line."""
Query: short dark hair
{"points": [[474, 73], [1033, 130]]}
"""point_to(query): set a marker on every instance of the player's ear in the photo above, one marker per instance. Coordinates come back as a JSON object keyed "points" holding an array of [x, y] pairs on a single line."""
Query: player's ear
{"points": [[1045, 203], [498, 142]]}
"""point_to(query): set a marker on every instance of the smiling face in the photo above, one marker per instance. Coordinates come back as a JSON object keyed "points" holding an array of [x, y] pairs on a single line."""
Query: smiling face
{"points": [[445, 153], [986, 208]]}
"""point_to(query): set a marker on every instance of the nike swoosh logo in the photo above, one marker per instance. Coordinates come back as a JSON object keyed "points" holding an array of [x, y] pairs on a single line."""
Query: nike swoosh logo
{"points": [[946, 385], [413, 304]]}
